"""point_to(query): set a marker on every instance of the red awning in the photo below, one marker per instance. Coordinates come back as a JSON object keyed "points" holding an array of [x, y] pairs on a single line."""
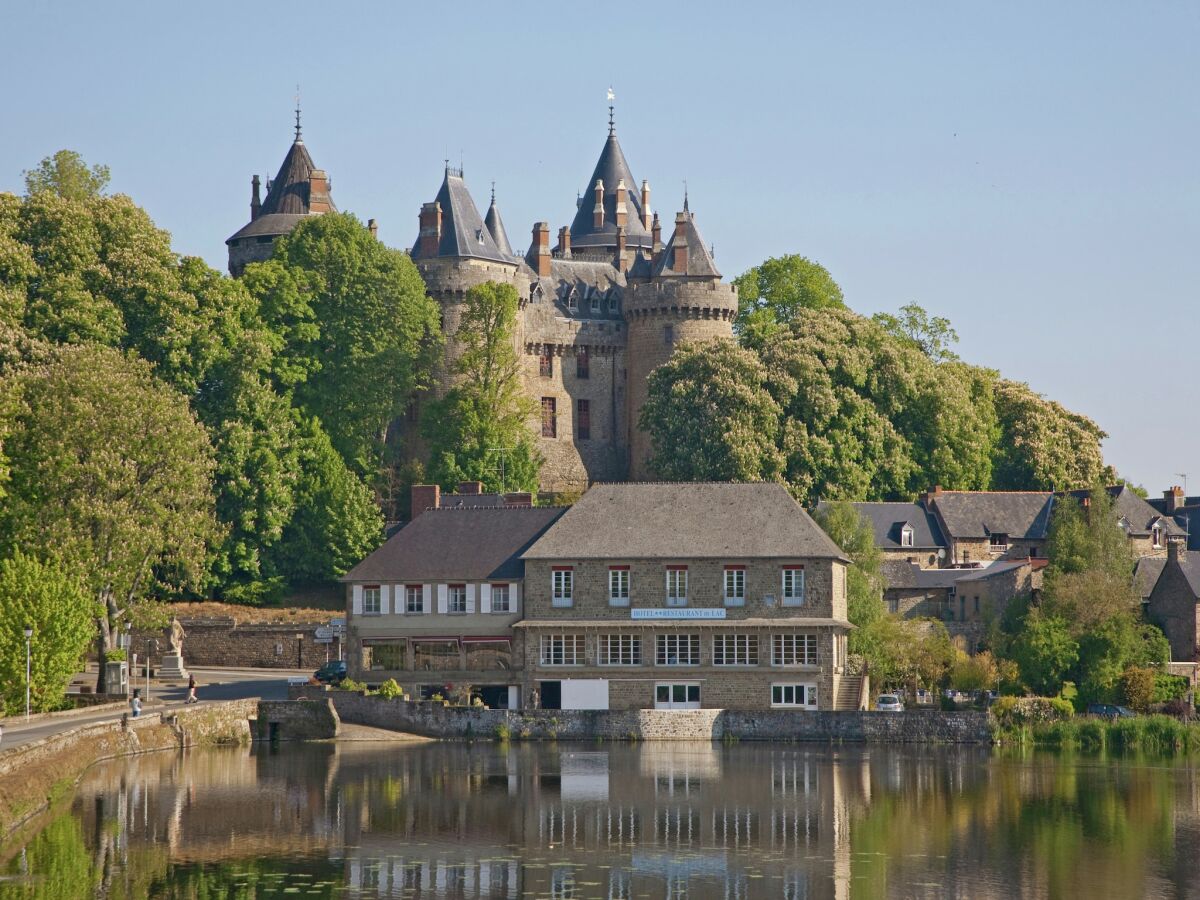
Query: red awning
{"points": [[435, 639]]}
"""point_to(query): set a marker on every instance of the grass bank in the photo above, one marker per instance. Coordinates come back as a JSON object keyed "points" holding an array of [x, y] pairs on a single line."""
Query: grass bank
{"points": [[1153, 734]]}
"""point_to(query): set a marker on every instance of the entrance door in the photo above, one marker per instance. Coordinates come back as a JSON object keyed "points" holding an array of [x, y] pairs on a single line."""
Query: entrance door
{"points": [[677, 695], [551, 694]]}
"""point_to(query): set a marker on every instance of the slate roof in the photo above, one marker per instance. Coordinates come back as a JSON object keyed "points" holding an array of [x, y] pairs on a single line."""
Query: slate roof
{"points": [[586, 278], [889, 519], [699, 260], [901, 574], [463, 231], [611, 168], [977, 514], [1146, 572], [1139, 512], [287, 199], [1189, 562], [685, 521], [495, 227], [472, 544]]}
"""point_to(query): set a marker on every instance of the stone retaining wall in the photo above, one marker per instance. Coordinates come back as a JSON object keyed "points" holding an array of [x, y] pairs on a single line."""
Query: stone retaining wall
{"points": [[437, 721], [297, 720], [226, 642]]}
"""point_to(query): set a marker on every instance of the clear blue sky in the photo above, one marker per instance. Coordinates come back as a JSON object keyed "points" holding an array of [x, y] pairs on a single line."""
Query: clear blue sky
{"points": [[1028, 170]]}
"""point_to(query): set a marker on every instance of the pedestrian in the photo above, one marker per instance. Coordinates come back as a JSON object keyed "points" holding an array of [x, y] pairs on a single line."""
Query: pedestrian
{"points": [[191, 697], [136, 703]]}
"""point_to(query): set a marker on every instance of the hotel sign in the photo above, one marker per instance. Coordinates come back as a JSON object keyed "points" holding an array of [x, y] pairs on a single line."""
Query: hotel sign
{"points": [[681, 612]]}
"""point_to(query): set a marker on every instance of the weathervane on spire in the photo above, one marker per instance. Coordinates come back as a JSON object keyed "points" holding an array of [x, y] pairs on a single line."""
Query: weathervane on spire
{"points": [[685, 200], [297, 112], [493, 193], [611, 97]]}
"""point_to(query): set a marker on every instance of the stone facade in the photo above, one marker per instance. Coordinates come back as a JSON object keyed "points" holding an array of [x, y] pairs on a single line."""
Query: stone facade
{"points": [[227, 642], [1175, 603]]}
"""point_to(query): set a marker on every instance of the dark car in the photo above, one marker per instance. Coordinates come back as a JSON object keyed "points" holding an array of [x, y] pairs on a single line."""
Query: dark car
{"points": [[1110, 711], [332, 672]]}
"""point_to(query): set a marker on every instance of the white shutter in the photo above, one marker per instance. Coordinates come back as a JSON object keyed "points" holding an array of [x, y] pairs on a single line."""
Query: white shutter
{"points": [[470, 599], [385, 592], [356, 602], [514, 605], [485, 598], [427, 598], [443, 599]]}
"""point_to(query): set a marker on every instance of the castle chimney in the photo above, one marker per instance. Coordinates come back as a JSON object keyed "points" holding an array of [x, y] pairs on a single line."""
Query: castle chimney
{"points": [[1173, 500], [255, 202], [373, 227], [430, 235], [598, 209], [564, 242], [680, 243], [424, 496], [541, 249], [645, 204], [318, 192], [656, 234], [622, 212], [620, 262]]}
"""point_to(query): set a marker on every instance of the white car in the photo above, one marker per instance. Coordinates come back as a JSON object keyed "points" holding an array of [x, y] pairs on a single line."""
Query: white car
{"points": [[889, 703]]}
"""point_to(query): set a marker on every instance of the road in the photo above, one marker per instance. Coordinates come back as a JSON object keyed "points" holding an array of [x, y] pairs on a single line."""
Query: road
{"points": [[214, 685]]}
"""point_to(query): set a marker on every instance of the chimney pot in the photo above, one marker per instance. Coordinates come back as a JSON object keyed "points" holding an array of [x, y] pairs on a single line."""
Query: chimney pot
{"points": [[1174, 499], [1174, 544], [540, 251], [598, 209], [425, 496], [646, 219], [255, 202]]}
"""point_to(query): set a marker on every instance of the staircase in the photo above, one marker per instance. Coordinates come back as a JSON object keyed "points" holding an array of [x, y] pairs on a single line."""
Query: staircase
{"points": [[852, 693]]}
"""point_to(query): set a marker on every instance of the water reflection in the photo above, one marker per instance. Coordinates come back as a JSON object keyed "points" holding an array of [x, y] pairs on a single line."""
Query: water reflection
{"points": [[657, 820]]}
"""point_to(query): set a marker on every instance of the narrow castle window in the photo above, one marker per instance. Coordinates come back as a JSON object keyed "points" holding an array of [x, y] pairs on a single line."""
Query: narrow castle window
{"points": [[581, 363], [669, 335], [583, 420], [549, 417], [545, 363]]}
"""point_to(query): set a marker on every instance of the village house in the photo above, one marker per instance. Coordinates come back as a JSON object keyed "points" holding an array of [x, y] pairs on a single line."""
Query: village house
{"points": [[686, 596], [1173, 603]]}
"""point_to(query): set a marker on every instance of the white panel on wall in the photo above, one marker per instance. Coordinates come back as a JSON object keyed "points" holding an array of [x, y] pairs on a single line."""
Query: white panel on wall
{"points": [[485, 598], [514, 597], [427, 598], [471, 598], [356, 601], [385, 596], [443, 598]]}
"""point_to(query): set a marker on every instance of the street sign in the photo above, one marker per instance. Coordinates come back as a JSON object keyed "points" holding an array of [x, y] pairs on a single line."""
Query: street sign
{"points": [[323, 634]]}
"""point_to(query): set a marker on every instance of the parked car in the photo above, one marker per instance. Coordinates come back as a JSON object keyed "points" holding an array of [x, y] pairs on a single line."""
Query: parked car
{"points": [[332, 672], [889, 703], [1110, 711]]}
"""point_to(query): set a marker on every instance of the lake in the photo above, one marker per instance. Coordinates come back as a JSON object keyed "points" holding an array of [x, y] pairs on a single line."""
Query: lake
{"points": [[654, 820]]}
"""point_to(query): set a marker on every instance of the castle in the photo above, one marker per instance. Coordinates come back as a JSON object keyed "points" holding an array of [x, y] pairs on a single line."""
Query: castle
{"points": [[600, 310]]}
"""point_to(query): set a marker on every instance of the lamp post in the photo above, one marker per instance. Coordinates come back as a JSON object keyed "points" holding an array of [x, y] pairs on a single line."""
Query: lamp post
{"points": [[28, 638], [150, 643], [299, 651]]}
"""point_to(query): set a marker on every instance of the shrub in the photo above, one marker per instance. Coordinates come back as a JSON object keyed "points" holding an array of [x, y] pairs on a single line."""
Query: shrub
{"points": [[349, 684], [503, 732], [1169, 687], [1017, 711], [1137, 687], [390, 690], [115, 655]]}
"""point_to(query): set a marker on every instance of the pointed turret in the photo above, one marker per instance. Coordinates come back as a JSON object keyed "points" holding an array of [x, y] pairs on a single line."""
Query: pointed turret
{"points": [[495, 227], [686, 253], [595, 226], [300, 189], [460, 229]]}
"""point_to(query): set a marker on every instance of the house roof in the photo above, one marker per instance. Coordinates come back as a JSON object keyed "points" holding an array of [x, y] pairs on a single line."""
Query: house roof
{"points": [[1189, 564], [902, 574], [586, 278], [1137, 511], [977, 514], [699, 260], [685, 521], [1146, 572], [463, 230], [888, 521], [287, 199], [471, 544], [611, 169]]}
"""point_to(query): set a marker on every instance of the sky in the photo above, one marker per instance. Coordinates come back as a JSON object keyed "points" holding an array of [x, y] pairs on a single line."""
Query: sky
{"points": [[1026, 169]]}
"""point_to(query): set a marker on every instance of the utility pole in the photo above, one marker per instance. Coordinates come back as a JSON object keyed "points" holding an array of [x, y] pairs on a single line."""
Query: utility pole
{"points": [[28, 638]]}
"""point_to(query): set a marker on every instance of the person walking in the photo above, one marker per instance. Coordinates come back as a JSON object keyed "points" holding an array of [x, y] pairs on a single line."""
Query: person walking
{"points": [[191, 697], [136, 703]]}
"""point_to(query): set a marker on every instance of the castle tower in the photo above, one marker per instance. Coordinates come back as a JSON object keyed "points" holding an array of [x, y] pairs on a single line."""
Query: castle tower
{"points": [[300, 189], [683, 299], [614, 204]]}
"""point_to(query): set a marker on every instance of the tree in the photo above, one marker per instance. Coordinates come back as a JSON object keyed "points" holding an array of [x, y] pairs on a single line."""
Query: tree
{"points": [[67, 175], [111, 473], [61, 615], [1137, 687], [358, 334], [931, 335], [710, 417], [974, 673], [1045, 652], [480, 430], [852, 531], [771, 294]]}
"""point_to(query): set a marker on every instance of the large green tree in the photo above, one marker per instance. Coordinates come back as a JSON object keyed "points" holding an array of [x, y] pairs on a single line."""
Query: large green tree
{"points": [[710, 416], [67, 175], [771, 294], [111, 474], [479, 431], [62, 617], [358, 334]]}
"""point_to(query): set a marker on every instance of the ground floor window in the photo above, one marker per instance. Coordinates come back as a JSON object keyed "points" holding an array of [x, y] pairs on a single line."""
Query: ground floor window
{"points": [[384, 656], [487, 656], [562, 650], [678, 650], [683, 695], [795, 695], [436, 656], [620, 650]]}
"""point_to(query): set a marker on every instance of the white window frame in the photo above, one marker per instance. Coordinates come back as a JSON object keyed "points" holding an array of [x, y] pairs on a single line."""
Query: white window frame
{"points": [[791, 584], [784, 694], [372, 602], [672, 702], [618, 586], [1156, 536], [563, 649], [677, 580], [502, 589], [454, 593], [619, 650], [562, 587], [794, 650], [735, 650], [734, 581], [686, 647], [409, 591], [906, 536]]}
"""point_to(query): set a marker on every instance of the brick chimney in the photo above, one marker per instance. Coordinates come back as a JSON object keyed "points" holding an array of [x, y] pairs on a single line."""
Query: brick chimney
{"points": [[622, 212], [564, 242], [646, 204], [470, 487], [425, 496], [598, 209], [656, 234], [930, 495], [522, 499], [540, 251], [1173, 499], [681, 247], [373, 227], [620, 261], [430, 235], [318, 192], [255, 202], [1175, 544]]}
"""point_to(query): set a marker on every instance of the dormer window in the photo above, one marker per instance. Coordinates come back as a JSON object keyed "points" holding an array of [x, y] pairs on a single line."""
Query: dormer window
{"points": [[998, 542], [572, 300], [1156, 535], [595, 303], [906, 536]]}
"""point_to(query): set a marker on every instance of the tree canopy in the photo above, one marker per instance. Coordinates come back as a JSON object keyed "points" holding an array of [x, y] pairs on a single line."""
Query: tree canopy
{"points": [[67, 175], [771, 294]]}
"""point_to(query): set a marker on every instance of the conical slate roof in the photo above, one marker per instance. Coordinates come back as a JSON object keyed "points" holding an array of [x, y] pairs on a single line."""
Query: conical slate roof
{"points": [[287, 198], [699, 261], [463, 230], [495, 227], [611, 169]]}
